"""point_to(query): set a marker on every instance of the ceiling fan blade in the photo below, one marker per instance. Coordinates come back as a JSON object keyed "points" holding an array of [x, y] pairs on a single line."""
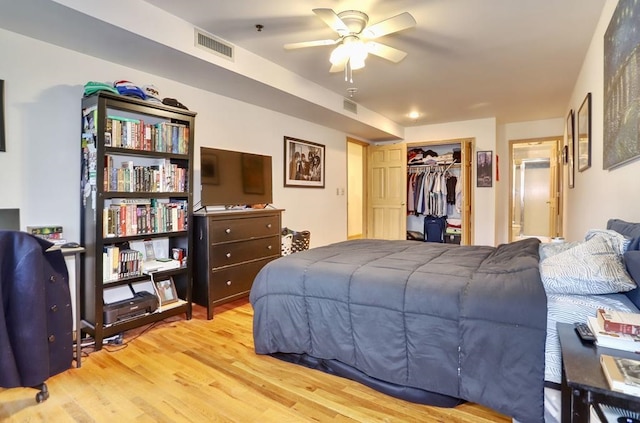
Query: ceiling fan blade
{"points": [[388, 26], [386, 52], [303, 44], [330, 18]]}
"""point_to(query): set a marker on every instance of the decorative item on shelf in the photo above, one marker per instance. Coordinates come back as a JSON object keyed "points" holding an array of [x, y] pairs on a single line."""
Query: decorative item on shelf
{"points": [[304, 164], [166, 291]]}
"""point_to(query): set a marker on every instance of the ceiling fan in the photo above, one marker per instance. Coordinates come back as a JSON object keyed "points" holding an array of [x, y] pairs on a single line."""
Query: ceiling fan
{"points": [[354, 43]]}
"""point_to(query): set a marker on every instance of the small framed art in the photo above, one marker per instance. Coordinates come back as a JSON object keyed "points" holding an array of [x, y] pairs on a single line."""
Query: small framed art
{"points": [[166, 290], [584, 134], [569, 148], [484, 169]]}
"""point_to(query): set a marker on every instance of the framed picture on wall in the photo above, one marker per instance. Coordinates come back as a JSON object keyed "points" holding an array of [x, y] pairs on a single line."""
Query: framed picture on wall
{"points": [[584, 134], [569, 148], [484, 169], [304, 163], [3, 147]]}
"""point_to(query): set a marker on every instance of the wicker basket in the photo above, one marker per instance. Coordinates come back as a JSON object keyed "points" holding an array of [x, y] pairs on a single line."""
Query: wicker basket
{"points": [[299, 241]]}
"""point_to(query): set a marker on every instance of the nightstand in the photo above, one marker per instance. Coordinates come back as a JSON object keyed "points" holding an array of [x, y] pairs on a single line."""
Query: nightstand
{"points": [[583, 383]]}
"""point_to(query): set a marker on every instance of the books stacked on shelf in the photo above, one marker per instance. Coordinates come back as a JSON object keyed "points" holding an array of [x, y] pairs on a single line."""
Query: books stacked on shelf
{"points": [[120, 263], [53, 233], [616, 340], [167, 137], [622, 374], [127, 176], [619, 321], [137, 216]]}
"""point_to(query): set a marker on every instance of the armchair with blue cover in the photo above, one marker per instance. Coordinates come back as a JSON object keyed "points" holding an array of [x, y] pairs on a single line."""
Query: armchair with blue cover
{"points": [[36, 324]]}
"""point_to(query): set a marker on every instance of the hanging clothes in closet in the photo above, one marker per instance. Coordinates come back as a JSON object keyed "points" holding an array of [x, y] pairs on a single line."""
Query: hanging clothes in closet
{"points": [[431, 190]]}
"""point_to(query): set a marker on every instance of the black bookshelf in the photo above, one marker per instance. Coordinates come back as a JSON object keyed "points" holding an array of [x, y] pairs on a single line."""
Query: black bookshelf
{"points": [[99, 148]]}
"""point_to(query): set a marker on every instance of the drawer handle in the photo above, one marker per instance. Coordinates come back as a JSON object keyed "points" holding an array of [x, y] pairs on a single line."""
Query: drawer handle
{"points": [[228, 255], [269, 247], [269, 225], [227, 231], [228, 283]]}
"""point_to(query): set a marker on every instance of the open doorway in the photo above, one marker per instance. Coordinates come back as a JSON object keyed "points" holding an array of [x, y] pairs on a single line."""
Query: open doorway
{"points": [[534, 198], [356, 188]]}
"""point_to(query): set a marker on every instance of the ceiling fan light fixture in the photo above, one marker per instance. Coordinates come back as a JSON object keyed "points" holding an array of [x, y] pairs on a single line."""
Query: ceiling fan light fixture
{"points": [[339, 55], [356, 63]]}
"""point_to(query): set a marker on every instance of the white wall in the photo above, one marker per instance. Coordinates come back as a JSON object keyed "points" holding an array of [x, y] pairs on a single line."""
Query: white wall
{"points": [[484, 199], [599, 194], [40, 171]]}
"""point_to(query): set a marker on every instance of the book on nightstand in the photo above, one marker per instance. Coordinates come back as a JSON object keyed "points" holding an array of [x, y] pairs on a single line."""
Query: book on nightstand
{"points": [[619, 341], [619, 321], [622, 374]]}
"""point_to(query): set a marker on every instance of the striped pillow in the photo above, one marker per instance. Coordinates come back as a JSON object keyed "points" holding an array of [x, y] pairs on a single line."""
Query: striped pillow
{"points": [[594, 266]]}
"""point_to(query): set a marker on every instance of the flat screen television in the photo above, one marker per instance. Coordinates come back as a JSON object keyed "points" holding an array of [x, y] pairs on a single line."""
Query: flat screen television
{"points": [[233, 178]]}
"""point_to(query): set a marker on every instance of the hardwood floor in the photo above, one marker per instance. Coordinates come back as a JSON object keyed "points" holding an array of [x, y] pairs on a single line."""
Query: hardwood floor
{"points": [[206, 371]]}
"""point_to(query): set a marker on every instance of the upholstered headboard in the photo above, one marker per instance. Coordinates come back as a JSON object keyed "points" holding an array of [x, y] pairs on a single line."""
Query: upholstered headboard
{"points": [[632, 256]]}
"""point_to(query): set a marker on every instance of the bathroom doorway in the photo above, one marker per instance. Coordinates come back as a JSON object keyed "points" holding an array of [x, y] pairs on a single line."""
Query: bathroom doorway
{"points": [[535, 210]]}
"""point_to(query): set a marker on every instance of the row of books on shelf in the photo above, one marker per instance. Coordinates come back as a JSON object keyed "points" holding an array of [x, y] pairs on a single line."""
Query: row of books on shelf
{"points": [[125, 217], [119, 263], [165, 137], [163, 177]]}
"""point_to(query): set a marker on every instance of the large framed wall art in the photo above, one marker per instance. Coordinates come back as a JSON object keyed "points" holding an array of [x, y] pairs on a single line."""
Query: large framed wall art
{"points": [[303, 163], [621, 81]]}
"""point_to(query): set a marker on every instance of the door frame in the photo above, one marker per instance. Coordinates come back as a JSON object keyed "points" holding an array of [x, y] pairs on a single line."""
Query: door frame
{"points": [[467, 147], [556, 175], [363, 206]]}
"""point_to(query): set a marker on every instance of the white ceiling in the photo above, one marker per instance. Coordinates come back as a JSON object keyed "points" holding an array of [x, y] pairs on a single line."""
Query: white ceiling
{"points": [[516, 60]]}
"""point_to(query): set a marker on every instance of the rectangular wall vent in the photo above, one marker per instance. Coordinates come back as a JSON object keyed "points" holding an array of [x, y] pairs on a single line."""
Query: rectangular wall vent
{"points": [[350, 106], [213, 44]]}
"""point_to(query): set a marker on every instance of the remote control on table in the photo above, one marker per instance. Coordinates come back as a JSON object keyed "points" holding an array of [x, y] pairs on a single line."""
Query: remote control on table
{"points": [[584, 332]]}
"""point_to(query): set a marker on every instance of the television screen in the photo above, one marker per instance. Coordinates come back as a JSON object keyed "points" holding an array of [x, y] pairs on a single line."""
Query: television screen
{"points": [[232, 178]]}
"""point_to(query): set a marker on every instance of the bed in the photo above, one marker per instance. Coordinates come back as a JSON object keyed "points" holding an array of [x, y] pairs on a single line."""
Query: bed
{"points": [[433, 323]]}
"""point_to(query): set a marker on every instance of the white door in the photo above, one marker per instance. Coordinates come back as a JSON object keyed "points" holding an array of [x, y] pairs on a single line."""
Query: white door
{"points": [[387, 192]]}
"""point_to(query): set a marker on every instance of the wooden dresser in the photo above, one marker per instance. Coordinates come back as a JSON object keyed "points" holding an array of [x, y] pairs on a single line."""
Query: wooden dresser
{"points": [[231, 247]]}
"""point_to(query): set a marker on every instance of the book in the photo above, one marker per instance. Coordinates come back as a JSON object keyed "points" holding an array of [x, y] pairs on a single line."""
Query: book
{"points": [[619, 321], [619, 341], [622, 374]]}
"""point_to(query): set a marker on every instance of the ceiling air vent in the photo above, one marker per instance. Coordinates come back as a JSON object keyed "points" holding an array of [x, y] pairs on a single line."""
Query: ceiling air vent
{"points": [[213, 44], [350, 106]]}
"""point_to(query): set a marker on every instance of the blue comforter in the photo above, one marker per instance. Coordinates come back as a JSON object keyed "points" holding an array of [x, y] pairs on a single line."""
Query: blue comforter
{"points": [[463, 321]]}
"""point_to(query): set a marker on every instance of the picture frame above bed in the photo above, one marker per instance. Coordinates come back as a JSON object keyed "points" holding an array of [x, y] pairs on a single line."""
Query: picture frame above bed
{"points": [[569, 138], [584, 134], [3, 146]]}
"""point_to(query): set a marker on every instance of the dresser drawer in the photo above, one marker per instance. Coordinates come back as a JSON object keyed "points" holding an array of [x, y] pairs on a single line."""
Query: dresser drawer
{"points": [[234, 281], [231, 253], [243, 228]]}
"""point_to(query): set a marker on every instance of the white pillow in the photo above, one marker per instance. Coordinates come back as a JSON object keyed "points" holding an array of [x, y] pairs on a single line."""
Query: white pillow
{"points": [[594, 266]]}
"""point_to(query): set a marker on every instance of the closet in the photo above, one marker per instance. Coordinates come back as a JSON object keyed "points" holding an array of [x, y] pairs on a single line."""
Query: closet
{"points": [[439, 191]]}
